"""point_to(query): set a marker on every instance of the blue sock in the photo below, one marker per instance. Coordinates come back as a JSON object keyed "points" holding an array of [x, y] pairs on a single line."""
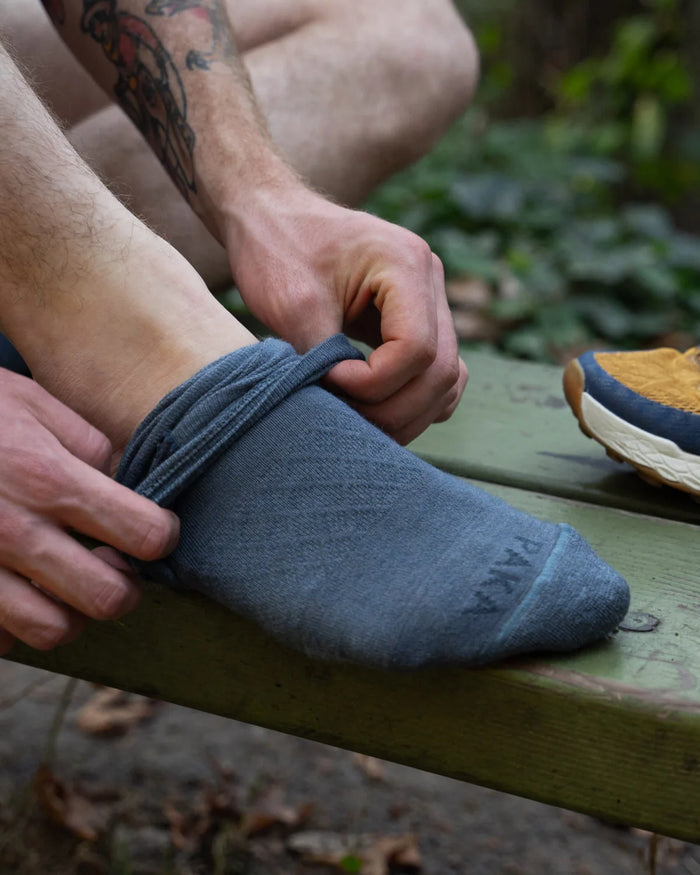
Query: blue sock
{"points": [[300, 515]]}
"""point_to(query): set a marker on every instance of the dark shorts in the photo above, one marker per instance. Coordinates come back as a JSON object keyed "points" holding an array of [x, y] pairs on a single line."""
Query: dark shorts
{"points": [[11, 359]]}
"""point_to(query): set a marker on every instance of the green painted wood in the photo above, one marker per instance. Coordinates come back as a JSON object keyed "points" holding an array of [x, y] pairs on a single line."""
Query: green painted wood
{"points": [[612, 731], [514, 427]]}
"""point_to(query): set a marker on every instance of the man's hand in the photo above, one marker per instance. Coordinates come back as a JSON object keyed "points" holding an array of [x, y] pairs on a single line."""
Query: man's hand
{"points": [[54, 479], [309, 269]]}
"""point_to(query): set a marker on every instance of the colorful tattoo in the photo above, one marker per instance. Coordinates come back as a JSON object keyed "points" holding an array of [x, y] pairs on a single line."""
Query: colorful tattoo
{"points": [[149, 87], [210, 10], [56, 10]]}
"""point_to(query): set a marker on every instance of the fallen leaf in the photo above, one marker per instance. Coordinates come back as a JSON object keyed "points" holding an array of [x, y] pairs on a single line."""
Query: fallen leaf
{"points": [[469, 294], [114, 712], [270, 809], [186, 828], [473, 325], [371, 766], [208, 808], [70, 806], [329, 848], [367, 854], [407, 854]]}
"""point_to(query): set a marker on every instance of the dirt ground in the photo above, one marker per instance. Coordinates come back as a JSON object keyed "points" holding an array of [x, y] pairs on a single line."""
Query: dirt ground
{"points": [[133, 787]]}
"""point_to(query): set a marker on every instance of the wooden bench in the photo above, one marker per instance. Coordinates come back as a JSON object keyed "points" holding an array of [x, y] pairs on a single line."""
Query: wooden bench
{"points": [[613, 731]]}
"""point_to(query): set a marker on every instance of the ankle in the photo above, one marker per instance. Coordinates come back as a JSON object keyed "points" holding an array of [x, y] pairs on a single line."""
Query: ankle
{"points": [[124, 338]]}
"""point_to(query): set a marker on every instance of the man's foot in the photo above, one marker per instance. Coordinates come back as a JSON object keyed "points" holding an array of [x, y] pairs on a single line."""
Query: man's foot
{"points": [[300, 515], [644, 408]]}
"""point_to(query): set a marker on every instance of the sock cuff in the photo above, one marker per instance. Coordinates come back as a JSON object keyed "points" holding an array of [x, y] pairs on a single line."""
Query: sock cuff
{"points": [[195, 422]]}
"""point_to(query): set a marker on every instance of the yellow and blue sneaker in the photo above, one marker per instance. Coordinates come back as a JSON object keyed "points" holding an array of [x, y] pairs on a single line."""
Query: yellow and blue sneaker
{"points": [[644, 408]]}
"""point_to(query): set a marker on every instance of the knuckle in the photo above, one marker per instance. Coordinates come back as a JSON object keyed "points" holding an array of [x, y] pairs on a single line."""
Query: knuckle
{"points": [[449, 376], [98, 449], [447, 412], [49, 633], [48, 482], [108, 601], [424, 351], [420, 249], [38, 555], [16, 530], [391, 423], [18, 386]]}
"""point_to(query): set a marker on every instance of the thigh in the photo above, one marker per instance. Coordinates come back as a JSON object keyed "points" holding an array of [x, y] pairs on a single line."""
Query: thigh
{"points": [[55, 75], [71, 93], [256, 22]]}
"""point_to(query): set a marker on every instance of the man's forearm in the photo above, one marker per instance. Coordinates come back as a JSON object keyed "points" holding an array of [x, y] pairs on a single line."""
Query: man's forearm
{"points": [[174, 68]]}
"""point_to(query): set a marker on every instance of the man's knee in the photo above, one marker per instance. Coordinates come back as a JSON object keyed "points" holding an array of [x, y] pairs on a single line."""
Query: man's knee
{"points": [[441, 58], [454, 58], [433, 70]]}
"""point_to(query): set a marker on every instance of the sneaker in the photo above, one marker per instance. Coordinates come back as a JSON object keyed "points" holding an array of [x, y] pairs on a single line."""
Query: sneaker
{"points": [[644, 408]]}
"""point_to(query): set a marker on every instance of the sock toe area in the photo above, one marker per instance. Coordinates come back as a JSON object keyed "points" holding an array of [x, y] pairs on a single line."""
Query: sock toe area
{"points": [[576, 599]]}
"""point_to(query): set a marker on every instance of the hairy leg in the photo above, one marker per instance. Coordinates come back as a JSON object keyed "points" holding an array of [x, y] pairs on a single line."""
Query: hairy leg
{"points": [[107, 315], [352, 90]]}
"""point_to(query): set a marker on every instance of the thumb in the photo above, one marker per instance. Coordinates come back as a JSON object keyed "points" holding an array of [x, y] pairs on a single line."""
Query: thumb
{"points": [[356, 381]]}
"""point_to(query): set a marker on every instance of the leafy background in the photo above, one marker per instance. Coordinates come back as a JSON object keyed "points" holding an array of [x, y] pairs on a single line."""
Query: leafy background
{"points": [[564, 203]]}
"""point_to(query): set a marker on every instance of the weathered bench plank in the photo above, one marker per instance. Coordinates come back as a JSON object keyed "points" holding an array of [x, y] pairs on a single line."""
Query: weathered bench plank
{"points": [[612, 731], [514, 427]]}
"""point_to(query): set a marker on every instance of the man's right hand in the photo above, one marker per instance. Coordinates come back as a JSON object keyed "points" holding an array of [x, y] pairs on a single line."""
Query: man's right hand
{"points": [[53, 480], [308, 268]]}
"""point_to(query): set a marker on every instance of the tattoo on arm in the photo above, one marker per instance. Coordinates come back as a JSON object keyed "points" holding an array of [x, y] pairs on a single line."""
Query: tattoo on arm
{"points": [[149, 87], [211, 10]]}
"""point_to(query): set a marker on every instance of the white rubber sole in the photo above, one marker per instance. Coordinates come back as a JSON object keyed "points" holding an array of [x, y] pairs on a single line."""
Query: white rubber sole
{"points": [[657, 457]]}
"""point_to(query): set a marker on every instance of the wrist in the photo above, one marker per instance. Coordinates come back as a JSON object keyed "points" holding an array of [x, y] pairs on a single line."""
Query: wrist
{"points": [[264, 213], [243, 200]]}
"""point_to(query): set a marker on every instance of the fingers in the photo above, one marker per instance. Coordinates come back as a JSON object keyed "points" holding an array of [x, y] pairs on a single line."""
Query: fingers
{"points": [[439, 412], [394, 416], [113, 558], [31, 616], [416, 379], [453, 400], [78, 577], [38, 550], [57, 486], [103, 509], [409, 313], [80, 438]]}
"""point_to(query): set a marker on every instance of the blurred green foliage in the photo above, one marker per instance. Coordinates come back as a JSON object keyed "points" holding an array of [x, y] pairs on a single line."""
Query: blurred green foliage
{"points": [[623, 103], [563, 215]]}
